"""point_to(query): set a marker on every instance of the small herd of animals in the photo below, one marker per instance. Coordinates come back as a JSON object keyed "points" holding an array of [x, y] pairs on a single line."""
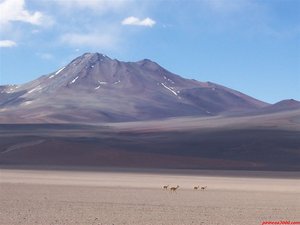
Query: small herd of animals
{"points": [[166, 187]]}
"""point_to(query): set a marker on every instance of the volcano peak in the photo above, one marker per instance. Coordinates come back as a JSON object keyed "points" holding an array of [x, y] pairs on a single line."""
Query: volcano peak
{"points": [[94, 87], [89, 58]]}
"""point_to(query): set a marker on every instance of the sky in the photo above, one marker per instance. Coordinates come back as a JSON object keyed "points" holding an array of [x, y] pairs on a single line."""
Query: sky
{"points": [[252, 46]]}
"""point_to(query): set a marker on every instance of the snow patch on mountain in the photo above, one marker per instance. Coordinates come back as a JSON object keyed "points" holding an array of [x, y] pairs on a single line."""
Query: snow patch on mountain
{"points": [[57, 72], [27, 103], [171, 81], [73, 81], [60, 70], [38, 88], [11, 90], [170, 89]]}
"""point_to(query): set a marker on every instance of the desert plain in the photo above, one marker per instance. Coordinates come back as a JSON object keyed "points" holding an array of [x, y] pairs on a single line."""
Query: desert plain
{"points": [[134, 197]]}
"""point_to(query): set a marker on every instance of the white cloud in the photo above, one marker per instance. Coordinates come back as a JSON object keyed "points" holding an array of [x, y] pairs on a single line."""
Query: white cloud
{"points": [[14, 10], [138, 22], [97, 5], [99, 40], [7, 44]]}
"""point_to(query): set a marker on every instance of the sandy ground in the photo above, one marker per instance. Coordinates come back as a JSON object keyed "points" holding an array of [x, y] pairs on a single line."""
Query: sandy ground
{"points": [[107, 198]]}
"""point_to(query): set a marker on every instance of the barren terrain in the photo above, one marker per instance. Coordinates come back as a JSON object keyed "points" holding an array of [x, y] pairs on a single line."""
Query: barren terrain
{"points": [[261, 142], [113, 197]]}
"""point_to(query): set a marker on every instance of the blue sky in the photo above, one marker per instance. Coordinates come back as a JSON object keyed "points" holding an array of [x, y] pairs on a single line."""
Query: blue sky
{"points": [[251, 46]]}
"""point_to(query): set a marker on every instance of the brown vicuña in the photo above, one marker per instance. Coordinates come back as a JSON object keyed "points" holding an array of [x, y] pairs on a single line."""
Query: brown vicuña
{"points": [[174, 188]]}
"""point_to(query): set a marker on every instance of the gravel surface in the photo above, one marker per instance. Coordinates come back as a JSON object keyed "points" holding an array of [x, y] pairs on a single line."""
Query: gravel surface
{"points": [[114, 198]]}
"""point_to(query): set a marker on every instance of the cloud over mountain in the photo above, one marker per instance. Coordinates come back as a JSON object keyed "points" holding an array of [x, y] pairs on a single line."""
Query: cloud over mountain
{"points": [[7, 44], [148, 22]]}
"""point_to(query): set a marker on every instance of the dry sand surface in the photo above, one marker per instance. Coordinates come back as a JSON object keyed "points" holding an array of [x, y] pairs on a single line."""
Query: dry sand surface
{"points": [[119, 198]]}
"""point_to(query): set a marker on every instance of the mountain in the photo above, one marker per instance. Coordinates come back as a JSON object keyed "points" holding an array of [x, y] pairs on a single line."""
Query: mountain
{"points": [[100, 112], [284, 105], [95, 88]]}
